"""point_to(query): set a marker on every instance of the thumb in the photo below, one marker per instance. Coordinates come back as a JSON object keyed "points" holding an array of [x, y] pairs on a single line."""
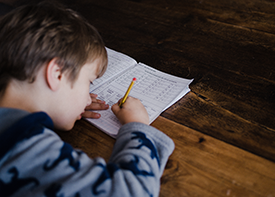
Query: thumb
{"points": [[115, 108]]}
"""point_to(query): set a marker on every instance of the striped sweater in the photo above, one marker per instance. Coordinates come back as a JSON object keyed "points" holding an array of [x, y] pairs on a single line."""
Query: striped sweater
{"points": [[34, 161]]}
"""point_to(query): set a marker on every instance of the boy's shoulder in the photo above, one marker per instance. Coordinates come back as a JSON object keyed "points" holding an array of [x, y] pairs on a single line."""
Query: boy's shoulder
{"points": [[9, 116], [18, 125]]}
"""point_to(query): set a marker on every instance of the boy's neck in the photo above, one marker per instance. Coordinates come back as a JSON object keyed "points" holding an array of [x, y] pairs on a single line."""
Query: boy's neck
{"points": [[19, 95], [31, 97]]}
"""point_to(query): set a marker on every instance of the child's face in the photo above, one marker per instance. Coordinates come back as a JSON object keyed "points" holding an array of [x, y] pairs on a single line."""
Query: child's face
{"points": [[75, 97]]}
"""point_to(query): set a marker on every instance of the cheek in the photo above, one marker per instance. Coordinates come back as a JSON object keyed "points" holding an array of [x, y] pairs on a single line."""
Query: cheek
{"points": [[64, 122], [83, 95], [80, 93]]}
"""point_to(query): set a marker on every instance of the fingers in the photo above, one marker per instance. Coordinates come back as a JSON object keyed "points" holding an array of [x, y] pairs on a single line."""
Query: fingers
{"points": [[115, 108], [131, 111], [91, 114], [97, 106], [93, 95], [96, 103]]}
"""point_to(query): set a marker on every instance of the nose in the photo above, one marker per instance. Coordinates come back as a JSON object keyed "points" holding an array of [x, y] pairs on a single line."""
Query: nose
{"points": [[89, 100]]}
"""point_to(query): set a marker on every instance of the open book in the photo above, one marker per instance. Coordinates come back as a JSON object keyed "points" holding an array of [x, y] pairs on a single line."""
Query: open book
{"points": [[155, 89]]}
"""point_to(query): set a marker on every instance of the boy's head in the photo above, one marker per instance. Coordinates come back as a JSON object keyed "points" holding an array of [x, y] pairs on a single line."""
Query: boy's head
{"points": [[31, 36], [48, 57]]}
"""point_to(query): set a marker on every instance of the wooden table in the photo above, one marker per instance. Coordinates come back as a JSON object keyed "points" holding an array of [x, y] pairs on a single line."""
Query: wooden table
{"points": [[224, 129]]}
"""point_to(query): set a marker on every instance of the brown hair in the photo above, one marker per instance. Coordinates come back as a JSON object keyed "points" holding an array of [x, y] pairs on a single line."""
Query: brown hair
{"points": [[32, 35]]}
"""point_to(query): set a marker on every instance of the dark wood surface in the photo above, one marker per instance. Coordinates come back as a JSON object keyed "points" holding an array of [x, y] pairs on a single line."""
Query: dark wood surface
{"points": [[224, 129], [227, 47]]}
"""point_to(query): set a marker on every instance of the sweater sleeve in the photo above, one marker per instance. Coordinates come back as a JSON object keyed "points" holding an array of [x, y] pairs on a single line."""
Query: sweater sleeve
{"points": [[141, 151], [43, 165]]}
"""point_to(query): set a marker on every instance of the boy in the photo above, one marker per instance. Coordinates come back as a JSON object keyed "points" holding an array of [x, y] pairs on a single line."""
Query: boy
{"points": [[48, 58]]}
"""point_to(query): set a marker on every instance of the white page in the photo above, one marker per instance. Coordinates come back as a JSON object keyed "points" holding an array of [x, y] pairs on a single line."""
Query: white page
{"points": [[156, 90], [117, 63]]}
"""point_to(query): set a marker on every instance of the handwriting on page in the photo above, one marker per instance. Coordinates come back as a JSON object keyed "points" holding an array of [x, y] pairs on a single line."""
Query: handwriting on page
{"points": [[155, 89]]}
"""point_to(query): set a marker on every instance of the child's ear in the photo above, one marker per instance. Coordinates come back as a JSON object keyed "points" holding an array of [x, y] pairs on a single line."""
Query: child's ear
{"points": [[53, 75]]}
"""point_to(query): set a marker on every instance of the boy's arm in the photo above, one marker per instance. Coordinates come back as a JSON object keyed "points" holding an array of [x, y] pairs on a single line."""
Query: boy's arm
{"points": [[48, 166], [142, 152], [139, 155], [135, 167]]}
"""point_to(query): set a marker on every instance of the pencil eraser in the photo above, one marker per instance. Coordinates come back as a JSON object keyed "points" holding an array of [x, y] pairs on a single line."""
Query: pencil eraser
{"points": [[134, 79]]}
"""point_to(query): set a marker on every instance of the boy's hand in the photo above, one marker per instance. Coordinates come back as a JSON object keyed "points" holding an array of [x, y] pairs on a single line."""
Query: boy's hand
{"points": [[132, 111], [95, 105]]}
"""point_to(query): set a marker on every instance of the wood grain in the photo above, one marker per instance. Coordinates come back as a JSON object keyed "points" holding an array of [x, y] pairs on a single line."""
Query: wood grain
{"points": [[227, 47], [204, 166], [224, 129], [199, 166]]}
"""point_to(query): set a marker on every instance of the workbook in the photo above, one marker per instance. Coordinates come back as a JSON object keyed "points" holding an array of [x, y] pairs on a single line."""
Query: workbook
{"points": [[155, 89]]}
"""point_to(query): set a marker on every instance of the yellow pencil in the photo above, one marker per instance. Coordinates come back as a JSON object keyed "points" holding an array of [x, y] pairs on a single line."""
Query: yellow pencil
{"points": [[127, 92]]}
